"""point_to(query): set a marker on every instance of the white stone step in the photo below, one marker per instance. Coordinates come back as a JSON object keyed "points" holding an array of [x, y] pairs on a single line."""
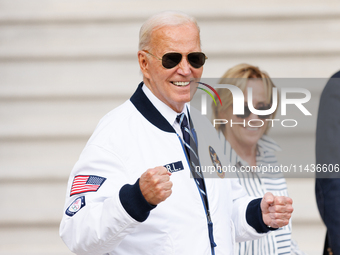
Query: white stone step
{"points": [[32, 241], [309, 237], [32, 202], [69, 79], [39, 160], [69, 41], [55, 118], [114, 40], [301, 190], [52, 10], [313, 66]]}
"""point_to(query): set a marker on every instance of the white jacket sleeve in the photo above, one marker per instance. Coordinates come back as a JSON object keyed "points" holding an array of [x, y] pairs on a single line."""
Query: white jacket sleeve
{"points": [[101, 223], [241, 200]]}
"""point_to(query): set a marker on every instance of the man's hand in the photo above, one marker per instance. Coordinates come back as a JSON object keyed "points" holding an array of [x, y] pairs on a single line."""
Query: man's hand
{"points": [[276, 211], [155, 185]]}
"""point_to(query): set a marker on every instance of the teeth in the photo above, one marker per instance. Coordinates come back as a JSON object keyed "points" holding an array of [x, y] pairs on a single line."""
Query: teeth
{"points": [[181, 83], [252, 128]]}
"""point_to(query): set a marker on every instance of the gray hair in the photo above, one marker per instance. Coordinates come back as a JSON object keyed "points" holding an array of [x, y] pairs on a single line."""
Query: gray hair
{"points": [[167, 18]]}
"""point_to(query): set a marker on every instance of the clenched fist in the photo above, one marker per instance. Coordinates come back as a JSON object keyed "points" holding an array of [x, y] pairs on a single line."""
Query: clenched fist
{"points": [[155, 185], [276, 211]]}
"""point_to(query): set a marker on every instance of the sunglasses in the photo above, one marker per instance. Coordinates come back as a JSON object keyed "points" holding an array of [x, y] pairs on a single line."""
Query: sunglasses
{"points": [[261, 107], [172, 59]]}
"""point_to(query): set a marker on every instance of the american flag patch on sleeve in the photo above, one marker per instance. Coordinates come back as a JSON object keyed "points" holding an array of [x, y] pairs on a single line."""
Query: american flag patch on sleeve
{"points": [[86, 183]]}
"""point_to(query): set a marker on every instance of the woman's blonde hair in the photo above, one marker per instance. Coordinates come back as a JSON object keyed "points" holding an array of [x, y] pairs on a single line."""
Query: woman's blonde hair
{"points": [[238, 76]]}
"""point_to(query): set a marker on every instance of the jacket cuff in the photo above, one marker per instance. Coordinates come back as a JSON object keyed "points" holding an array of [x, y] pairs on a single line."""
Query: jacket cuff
{"points": [[134, 202], [254, 217]]}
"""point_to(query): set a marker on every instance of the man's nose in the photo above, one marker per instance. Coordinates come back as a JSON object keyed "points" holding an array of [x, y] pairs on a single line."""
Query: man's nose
{"points": [[184, 68]]}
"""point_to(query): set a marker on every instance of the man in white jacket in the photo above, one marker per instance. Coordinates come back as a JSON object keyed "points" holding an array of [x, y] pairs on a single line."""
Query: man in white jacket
{"points": [[131, 192]]}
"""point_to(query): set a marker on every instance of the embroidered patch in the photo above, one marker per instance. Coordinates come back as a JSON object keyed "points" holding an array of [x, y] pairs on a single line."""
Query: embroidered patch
{"points": [[175, 167], [86, 183], [75, 206], [216, 161]]}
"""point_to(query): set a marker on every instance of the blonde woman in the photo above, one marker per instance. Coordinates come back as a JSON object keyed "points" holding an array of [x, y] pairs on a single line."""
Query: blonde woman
{"points": [[246, 145]]}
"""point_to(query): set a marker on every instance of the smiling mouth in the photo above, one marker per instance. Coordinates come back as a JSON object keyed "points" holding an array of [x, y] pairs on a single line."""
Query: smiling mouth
{"points": [[252, 128], [181, 83]]}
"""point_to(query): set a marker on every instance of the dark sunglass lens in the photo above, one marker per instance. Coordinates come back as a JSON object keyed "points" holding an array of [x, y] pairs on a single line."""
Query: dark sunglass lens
{"points": [[196, 59], [263, 108], [172, 59], [264, 117], [246, 113]]}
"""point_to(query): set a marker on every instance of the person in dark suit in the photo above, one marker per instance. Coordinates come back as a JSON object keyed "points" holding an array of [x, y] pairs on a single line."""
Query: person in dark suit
{"points": [[327, 185]]}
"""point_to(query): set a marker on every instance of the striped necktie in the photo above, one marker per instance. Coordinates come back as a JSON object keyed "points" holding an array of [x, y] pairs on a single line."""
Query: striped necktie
{"points": [[191, 149]]}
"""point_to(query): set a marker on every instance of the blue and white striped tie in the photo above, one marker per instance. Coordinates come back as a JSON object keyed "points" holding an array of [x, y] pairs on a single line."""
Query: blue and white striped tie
{"points": [[192, 153], [191, 149]]}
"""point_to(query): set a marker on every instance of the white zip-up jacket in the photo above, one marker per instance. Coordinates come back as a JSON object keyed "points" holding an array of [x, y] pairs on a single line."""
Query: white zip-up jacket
{"points": [[107, 216]]}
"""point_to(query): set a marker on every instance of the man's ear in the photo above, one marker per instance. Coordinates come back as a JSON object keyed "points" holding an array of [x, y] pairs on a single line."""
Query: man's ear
{"points": [[143, 63]]}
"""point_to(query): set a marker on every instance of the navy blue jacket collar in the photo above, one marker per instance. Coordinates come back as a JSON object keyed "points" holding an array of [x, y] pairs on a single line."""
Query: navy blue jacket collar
{"points": [[149, 111]]}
